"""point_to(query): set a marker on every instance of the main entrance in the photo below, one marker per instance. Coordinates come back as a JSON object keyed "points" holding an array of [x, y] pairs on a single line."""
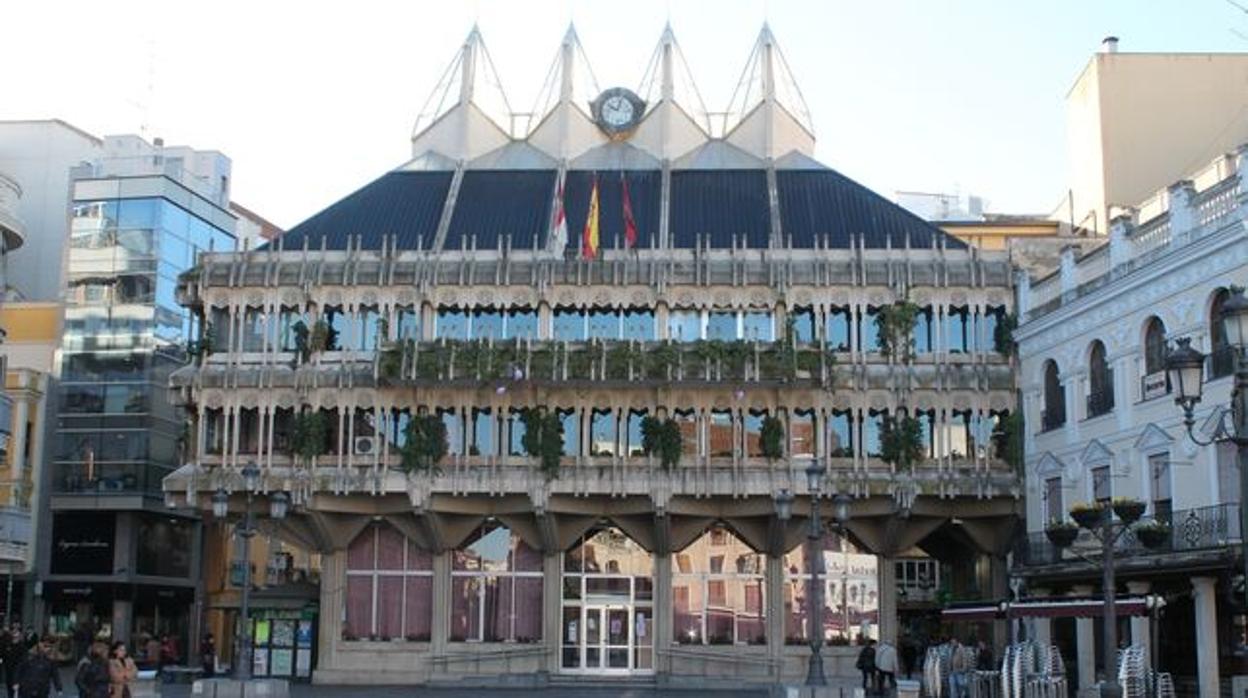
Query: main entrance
{"points": [[608, 607]]}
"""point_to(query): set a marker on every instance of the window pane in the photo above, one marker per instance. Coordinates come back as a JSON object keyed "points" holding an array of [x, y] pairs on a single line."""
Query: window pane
{"points": [[521, 323], [604, 324], [465, 609], [639, 324], [482, 433], [137, 213], [409, 323], [389, 607], [359, 621], [390, 544], [721, 325], [720, 434], [838, 330], [803, 320], [869, 339], [684, 325], [568, 325], [419, 591], [487, 323], [571, 432], [528, 609], [758, 326], [802, 434], [872, 428], [452, 323], [602, 433]]}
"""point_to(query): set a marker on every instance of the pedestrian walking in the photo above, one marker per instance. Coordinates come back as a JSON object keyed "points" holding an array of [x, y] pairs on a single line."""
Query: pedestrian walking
{"points": [[92, 677], [121, 672], [960, 663], [208, 656], [37, 675], [866, 664], [886, 666]]}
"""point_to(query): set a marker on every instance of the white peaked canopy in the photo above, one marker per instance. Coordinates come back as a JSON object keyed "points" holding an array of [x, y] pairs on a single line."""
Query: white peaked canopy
{"points": [[767, 116], [562, 125], [676, 120], [467, 114]]}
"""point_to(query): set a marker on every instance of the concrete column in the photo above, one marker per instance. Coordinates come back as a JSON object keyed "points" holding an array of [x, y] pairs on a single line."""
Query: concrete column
{"points": [[1041, 628], [1139, 624], [774, 594], [440, 630], [1206, 602], [662, 613], [21, 417], [999, 573], [888, 599], [333, 588], [1085, 643], [552, 610]]}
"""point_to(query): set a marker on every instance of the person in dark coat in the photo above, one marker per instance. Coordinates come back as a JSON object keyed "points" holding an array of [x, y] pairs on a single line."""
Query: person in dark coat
{"points": [[37, 675], [14, 655], [92, 677], [866, 664]]}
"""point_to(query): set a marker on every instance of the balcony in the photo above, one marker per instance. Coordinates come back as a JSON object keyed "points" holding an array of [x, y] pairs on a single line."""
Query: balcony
{"points": [[1052, 419], [1205, 529], [1100, 402], [107, 479], [14, 521]]}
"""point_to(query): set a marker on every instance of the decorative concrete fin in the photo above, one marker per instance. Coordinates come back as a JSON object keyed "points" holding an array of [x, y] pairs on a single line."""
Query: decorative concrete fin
{"points": [[467, 113], [561, 124], [767, 115]]}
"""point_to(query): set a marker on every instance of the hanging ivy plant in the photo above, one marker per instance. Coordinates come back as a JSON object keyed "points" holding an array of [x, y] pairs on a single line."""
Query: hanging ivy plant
{"points": [[425, 444], [661, 438], [307, 439], [1010, 441], [771, 438], [543, 439], [901, 443], [736, 356], [895, 324], [205, 345], [661, 359], [322, 338], [392, 359], [1003, 334]]}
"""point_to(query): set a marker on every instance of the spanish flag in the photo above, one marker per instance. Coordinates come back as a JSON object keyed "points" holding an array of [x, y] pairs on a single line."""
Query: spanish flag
{"points": [[589, 238]]}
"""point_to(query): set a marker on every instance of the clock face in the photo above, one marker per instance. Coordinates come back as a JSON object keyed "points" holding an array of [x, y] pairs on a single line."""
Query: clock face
{"points": [[617, 111]]}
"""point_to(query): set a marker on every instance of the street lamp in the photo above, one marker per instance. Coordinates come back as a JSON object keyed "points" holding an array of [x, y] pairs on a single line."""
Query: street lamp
{"points": [[1184, 368], [814, 596], [279, 503]]}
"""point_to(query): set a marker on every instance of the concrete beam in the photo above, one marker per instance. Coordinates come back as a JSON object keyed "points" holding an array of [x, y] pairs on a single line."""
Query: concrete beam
{"points": [[526, 527], [337, 530], [991, 536], [410, 526]]}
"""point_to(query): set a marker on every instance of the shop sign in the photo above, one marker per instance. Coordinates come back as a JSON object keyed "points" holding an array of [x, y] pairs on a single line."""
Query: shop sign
{"points": [[82, 543]]}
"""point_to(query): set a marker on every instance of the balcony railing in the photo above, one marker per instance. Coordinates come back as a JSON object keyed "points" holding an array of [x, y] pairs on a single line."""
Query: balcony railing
{"points": [[107, 479], [1052, 419], [1100, 402], [1204, 528]]}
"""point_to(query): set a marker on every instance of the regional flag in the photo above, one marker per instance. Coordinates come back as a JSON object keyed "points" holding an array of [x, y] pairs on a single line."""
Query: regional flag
{"points": [[630, 224], [589, 238], [559, 226]]}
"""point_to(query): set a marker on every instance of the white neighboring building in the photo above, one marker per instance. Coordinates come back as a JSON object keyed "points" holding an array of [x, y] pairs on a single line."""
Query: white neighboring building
{"points": [[1101, 422]]}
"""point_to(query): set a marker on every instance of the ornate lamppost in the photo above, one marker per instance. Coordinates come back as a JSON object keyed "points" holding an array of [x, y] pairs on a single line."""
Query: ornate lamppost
{"points": [[246, 530], [1185, 369]]}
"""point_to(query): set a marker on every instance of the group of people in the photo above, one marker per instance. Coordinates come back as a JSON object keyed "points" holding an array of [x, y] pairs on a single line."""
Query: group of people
{"points": [[106, 672], [878, 664]]}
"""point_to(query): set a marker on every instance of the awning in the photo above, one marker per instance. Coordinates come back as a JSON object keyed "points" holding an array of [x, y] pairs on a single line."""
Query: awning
{"points": [[1047, 608]]}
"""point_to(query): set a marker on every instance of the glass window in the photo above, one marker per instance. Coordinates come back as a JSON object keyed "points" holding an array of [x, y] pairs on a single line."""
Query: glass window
{"points": [[1102, 488], [872, 429], [569, 324], [957, 329], [287, 324], [838, 329], [175, 219], [632, 435], [758, 326], [482, 433], [1053, 507], [454, 431], [721, 325], [687, 420], [639, 324], [719, 434], [496, 588], [515, 439], [389, 587], [137, 242], [754, 433], [137, 213], [487, 323], [602, 433], [522, 323], [927, 422], [95, 215], [803, 323], [869, 330], [684, 325], [851, 594], [923, 331], [452, 323], [604, 323], [1154, 346], [571, 421], [253, 329], [717, 592], [367, 334], [409, 322], [802, 434]]}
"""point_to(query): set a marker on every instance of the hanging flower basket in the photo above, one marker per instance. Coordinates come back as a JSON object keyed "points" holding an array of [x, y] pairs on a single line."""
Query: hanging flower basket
{"points": [[1128, 510], [1153, 534], [1062, 534], [1087, 515]]}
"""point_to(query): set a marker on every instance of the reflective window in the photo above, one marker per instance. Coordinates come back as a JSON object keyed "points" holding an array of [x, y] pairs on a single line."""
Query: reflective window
{"points": [[338, 328], [838, 329], [568, 324], [389, 587], [1154, 346], [717, 592], [176, 220], [138, 242], [802, 434], [607, 567], [754, 433], [137, 213], [482, 433], [957, 330], [571, 421], [496, 588], [454, 431], [851, 596], [408, 318], [719, 434], [757, 326], [602, 433], [367, 331], [803, 322], [632, 434], [721, 325], [684, 325], [516, 430], [604, 323], [927, 421], [841, 434], [872, 429], [253, 329], [522, 323], [687, 420], [639, 324], [289, 319], [923, 331], [452, 323], [487, 323], [869, 331]]}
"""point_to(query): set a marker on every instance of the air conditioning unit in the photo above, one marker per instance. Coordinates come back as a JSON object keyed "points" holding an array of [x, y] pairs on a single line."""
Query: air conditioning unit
{"points": [[365, 445]]}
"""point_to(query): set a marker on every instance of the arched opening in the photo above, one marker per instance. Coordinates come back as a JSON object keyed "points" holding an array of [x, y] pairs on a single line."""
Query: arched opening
{"points": [[1054, 414], [1221, 358], [1155, 383], [717, 591], [607, 621], [1100, 381], [851, 593], [496, 588]]}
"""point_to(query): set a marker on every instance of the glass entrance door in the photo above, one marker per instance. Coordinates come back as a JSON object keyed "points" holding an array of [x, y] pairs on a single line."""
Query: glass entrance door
{"points": [[608, 646]]}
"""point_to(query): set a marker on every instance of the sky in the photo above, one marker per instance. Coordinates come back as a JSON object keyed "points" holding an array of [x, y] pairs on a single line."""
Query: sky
{"points": [[312, 100]]}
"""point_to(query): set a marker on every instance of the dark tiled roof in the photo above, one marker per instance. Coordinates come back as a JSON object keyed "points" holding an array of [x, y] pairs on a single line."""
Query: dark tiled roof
{"points": [[814, 205], [406, 204]]}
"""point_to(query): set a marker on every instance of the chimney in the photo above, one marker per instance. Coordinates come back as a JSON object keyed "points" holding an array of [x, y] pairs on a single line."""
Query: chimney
{"points": [[1109, 44]]}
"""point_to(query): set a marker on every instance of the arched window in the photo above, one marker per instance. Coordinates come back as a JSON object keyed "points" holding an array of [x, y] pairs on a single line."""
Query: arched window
{"points": [[496, 588], [1100, 381], [1154, 346], [717, 591], [851, 592], [1221, 360], [1054, 414], [389, 587]]}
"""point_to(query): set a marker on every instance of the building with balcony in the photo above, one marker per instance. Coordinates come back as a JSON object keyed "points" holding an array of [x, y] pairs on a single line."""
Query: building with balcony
{"points": [[730, 301], [112, 558], [1101, 422]]}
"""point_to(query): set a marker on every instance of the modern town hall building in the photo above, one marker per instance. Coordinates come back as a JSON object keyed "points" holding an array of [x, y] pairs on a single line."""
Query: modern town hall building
{"points": [[637, 323]]}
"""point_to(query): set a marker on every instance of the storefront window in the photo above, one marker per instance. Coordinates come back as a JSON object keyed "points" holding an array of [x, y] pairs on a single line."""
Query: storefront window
{"points": [[717, 592], [850, 595], [389, 587], [608, 596], [496, 588]]}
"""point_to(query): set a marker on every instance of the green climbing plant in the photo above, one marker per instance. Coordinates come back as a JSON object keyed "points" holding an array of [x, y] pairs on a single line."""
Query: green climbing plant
{"points": [[661, 438], [901, 443], [771, 438], [1003, 334], [1009, 441], [543, 439], [661, 359], [895, 324], [307, 440], [425, 444]]}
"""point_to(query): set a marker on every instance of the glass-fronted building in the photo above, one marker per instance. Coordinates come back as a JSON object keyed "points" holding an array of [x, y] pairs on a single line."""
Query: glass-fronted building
{"points": [[139, 218]]}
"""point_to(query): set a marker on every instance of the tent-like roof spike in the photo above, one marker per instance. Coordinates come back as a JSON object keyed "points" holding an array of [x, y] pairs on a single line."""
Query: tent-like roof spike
{"points": [[767, 91], [668, 79], [470, 96], [561, 124]]}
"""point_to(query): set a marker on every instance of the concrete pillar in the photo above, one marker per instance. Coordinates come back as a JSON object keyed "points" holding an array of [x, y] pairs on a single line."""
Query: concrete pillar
{"points": [[333, 588], [999, 573], [1067, 270], [123, 611], [888, 599], [552, 610], [440, 627], [1139, 624], [1085, 643], [1041, 628], [1206, 612], [663, 613], [21, 417], [1182, 211]]}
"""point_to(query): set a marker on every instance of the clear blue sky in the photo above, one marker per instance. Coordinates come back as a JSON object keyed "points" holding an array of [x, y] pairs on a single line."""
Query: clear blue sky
{"points": [[312, 100]]}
